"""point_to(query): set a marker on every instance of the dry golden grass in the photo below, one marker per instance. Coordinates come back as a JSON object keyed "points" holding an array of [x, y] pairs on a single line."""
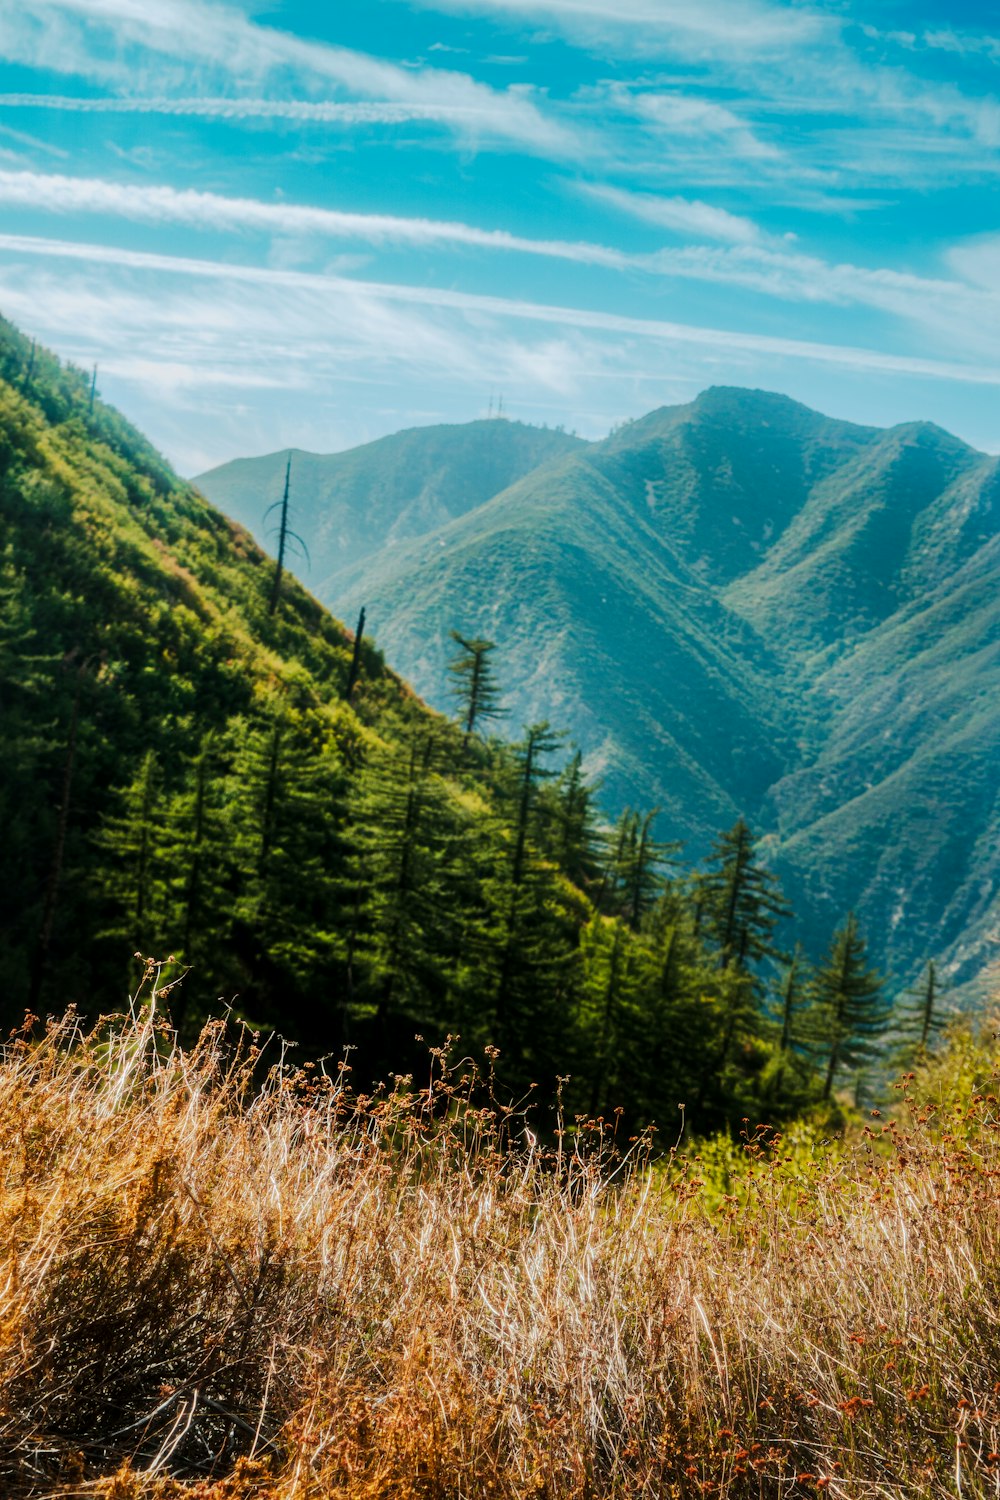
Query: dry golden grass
{"points": [[219, 1290]]}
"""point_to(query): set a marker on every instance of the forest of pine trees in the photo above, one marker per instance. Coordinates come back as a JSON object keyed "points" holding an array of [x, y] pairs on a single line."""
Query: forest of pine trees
{"points": [[199, 764]]}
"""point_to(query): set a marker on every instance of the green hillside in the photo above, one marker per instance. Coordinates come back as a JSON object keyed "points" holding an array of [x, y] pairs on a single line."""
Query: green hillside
{"points": [[205, 772], [742, 606]]}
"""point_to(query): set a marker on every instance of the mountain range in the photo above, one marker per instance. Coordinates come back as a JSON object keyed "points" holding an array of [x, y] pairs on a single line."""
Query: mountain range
{"points": [[735, 606]]}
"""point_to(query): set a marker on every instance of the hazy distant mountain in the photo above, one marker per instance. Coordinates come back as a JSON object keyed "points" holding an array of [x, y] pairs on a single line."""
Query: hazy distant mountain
{"points": [[372, 498], [733, 606]]}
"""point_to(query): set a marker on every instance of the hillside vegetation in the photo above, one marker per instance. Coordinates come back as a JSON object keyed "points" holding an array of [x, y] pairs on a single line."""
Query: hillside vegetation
{"points": [[737, 606], [199, 762], [220, 1291]]}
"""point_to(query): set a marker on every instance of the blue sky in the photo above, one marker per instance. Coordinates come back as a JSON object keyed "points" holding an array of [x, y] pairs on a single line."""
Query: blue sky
{"points": [[304, 224]]}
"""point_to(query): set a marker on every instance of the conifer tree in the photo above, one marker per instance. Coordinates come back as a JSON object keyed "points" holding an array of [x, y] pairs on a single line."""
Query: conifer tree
{"points": [[634, 874], [573, 839], [57, 858], [791, 1078], [285, 792], [674, 1022], [399, 860], [741, 901], [532, 947], [198, 853], [739, 906], [851, 1007], [924, 1018], [608, 962], [130, 839], [474, 686]]}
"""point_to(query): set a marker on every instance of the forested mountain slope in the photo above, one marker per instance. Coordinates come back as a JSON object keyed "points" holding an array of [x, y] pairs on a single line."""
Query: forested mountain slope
{"points": [[200, 765], [742, 606]]}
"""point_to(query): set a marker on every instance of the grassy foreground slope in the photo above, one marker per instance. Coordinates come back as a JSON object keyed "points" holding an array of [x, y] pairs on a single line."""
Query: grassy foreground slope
{"points": [[214, 1292]]}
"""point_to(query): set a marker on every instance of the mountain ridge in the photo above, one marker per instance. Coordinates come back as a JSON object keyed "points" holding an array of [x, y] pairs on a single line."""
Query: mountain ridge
{"points": [[740, 605]]}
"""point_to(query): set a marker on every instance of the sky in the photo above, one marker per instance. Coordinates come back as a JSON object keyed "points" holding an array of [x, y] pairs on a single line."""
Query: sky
{"points": [[305, 224]]}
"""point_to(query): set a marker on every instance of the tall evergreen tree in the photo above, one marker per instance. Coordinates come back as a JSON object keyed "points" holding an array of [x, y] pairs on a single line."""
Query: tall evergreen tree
{"points": [[573, 839], [533, 943], [400, 866], [851, 1007], [130, 838], [741, 902], [923, 1019], [285, 790], [57, 858], [198, 852], [607, 949], [474, 685], [354, 670], [635, 867], [791, 1078]]}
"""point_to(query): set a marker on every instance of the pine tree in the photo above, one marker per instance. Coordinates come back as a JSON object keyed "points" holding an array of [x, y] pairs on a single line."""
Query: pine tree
{"points": [[474, 686], [198, 854], [130, 839], [399, 864], [572, 839], [57, 860], [741, 901], [674, 1022], [851, 1008], [924, 1018], [285, 795], [533, 940], [608, 963], [791, 1080], [739, 906], [635, 868]]}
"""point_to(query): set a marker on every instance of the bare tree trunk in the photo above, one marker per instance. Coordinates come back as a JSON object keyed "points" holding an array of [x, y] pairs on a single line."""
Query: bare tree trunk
{"points": [[355, 667]]}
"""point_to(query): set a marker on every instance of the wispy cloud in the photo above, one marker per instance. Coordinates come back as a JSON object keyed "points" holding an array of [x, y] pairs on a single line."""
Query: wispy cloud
{"points": [[55, 193], [978, 261], [726, 25], [689, 116], [332, 293], [32, 141], [942, 39], [683, 215], [304, 111], [124, 43], [745, 259]]}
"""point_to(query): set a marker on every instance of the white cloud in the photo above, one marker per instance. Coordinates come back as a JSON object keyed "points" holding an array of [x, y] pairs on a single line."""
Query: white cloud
{"points": [[304, 111], [55, 193], [32, 142], [124, 43], [687, 116], [978, 261], [945, 39], [376, 305], [683, 215], [954, 308], [687, 25]]}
